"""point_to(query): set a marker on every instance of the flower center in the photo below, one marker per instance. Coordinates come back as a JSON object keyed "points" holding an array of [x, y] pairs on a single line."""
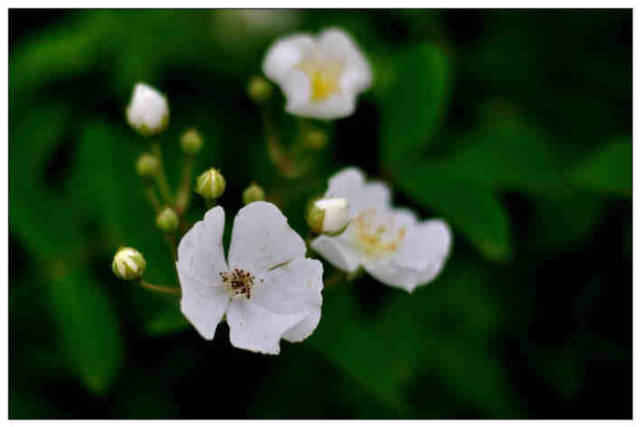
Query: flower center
{"points": [[238, 282], [324, 74], [377, 235]]}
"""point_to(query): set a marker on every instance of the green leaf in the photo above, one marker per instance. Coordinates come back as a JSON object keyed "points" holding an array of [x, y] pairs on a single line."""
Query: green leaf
{"points": [[87, 326], [414, 102], [505, 153], [415, 333], [471, 207], [565, 218], [58, 52], [608, 170]]}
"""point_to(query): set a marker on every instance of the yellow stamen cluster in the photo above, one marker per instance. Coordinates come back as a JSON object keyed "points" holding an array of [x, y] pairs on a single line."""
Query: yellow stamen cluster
{"points": [[324, 75], [377, 235]]}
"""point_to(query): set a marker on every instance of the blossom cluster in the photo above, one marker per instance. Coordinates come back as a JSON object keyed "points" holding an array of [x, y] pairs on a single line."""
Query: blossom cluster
{"points": [[266, 286]]}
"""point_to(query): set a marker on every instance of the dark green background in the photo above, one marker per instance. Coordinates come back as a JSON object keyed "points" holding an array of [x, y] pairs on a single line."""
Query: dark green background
{"points": [[514, 126]]}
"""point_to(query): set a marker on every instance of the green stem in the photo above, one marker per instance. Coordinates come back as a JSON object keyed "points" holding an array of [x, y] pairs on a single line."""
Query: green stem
{"points": [[184, 193], [151, 195], [275, 149], [159, 288], [161, 176]]}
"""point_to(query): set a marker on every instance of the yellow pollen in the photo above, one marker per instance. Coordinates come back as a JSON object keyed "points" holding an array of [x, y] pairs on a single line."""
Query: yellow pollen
{"points": [[323, 85], [324, 75], [374, 237]]}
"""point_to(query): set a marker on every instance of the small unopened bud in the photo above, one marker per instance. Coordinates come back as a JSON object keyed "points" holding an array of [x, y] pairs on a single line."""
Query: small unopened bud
{"points": [[148, 110], [128, 264], [253, 193], [211, 184], [328, 216], [167, 220], [191, 141], [315, 139], [147, 165], [259, 89]]}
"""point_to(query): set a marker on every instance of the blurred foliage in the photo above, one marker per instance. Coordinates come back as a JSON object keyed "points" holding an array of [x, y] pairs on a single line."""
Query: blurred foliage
{"points": [[514, 126]]}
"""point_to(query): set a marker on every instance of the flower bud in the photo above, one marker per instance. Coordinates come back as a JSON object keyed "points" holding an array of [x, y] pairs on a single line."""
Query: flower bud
{"points": [[328, 216], [259, 89], [211, 184], [167, 220], [128, 264], [148, 110], [147, 165], [253, 193], [315, 139], [191, 142]]}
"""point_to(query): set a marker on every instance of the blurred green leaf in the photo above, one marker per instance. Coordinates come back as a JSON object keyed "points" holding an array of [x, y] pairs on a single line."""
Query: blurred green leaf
{"points": [[561, 219], [414, 102], [471, 207], [608, 170], [506, 153], [87, 325], [416, 333], [57, 52]]}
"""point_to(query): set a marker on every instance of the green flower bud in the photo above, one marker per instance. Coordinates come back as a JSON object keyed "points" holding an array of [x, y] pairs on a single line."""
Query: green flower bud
{"points": [[253, 193], [328, 216], [147, 165], [167, 220], [128, 264], [191, 142], [211, 184], [259, 89], [315, 139]]}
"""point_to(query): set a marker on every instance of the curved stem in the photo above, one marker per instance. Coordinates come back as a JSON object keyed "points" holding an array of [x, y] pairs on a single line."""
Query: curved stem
{"points": [[159, 288], [161, 176], [151, 195], [184, 193], [275, 149]]}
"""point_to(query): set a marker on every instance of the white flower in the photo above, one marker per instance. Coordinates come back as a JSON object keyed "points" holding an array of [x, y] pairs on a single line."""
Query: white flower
{"points": [[320, 77], [390, 243], [328, 216], [148, 110], [268, 289]]}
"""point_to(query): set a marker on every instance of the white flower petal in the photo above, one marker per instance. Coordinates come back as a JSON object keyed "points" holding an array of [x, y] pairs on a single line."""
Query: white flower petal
{"points": [[297, 90], [419, 258], [284, 54], [350, 184], [385, 271], [357, 76], [200, 252], [293, 288], [203, 305], [254, 328], [200, 260], [424, 245], [338, 251], [262, 239]]}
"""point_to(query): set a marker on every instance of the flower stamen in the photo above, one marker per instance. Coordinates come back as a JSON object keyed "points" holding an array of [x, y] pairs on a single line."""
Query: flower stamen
{"points": [[376, 234], [238, 282]]}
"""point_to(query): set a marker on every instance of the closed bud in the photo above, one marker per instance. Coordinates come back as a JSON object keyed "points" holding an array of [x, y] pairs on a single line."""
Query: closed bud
{"points": [[211, 184], [259, 89], [328, 216], [253, 193], [128, 264], [148, 110], [167, 220], [191, 141], [315, 139], [147, 165]]}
